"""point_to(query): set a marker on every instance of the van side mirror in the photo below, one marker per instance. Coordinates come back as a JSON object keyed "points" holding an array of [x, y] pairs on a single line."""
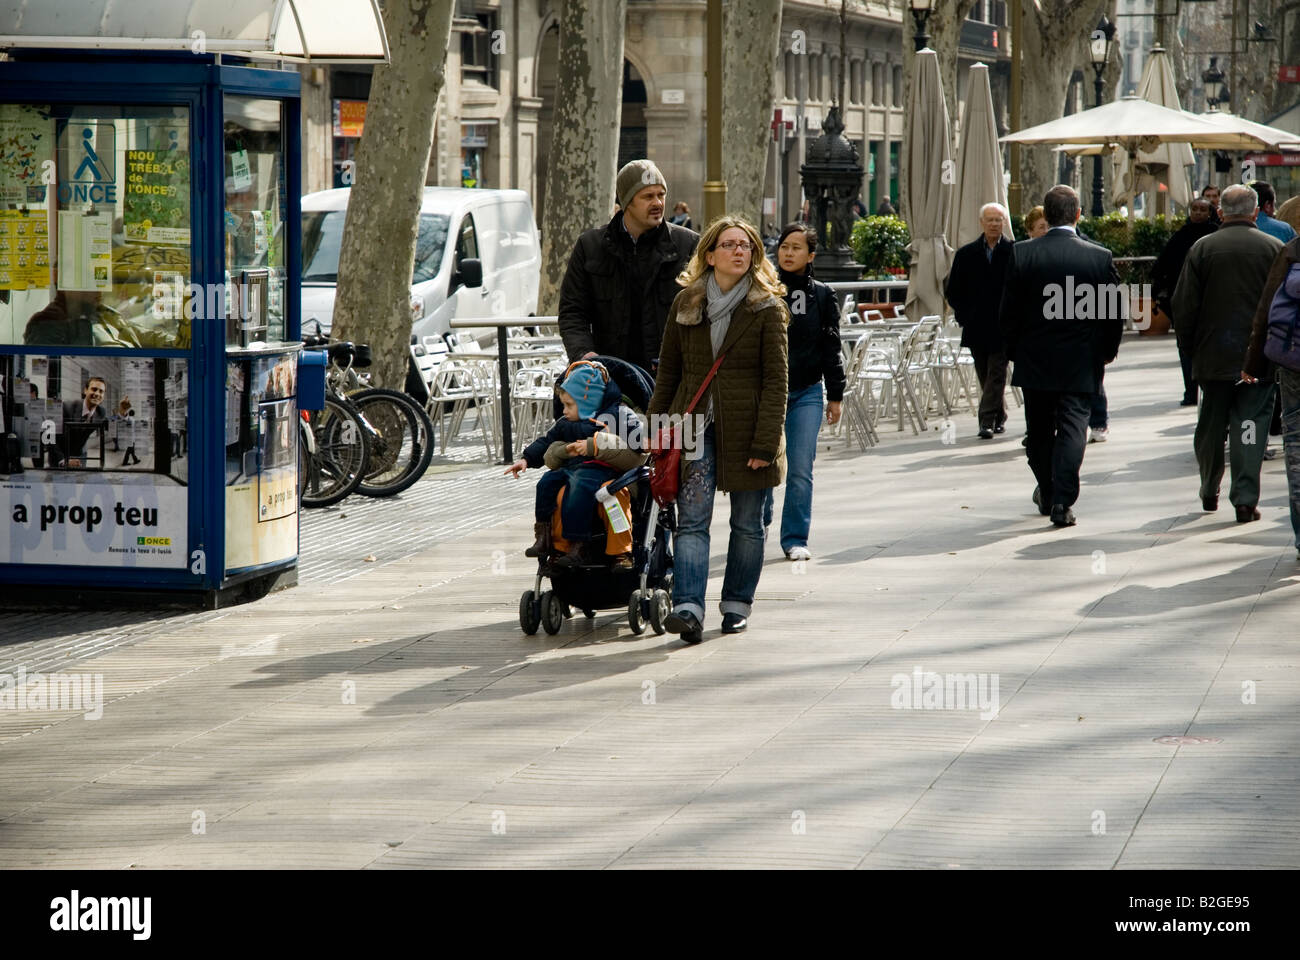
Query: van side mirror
{"points": [[470, 274]]}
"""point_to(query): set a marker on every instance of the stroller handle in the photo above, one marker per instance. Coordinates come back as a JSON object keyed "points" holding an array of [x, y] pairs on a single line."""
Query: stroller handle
{"points": [[626, 480]]}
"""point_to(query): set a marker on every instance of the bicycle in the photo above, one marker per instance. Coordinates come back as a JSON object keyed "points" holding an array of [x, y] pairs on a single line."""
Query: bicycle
{"points": [[398, 434]]}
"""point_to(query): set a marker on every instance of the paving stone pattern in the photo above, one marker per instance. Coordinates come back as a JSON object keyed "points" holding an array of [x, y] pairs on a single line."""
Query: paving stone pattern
{"points": [[390, 714]]}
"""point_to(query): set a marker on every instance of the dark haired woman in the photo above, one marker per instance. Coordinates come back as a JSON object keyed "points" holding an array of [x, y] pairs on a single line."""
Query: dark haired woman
{"points": [[814, 357]]}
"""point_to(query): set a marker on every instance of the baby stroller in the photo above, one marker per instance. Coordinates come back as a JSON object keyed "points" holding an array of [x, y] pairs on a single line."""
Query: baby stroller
{"points": [[646, 589]]}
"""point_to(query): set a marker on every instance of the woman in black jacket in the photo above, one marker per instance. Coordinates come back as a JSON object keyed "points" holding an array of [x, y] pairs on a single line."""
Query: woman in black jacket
{"points": [[814, 356]]}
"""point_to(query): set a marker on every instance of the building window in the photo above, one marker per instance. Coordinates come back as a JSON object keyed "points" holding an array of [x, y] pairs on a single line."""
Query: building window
{"points": [[977, 11], [855, 82], [791, 78], [898, 86], [877, 85], [814, 76], [834, 78], [478, 62]]}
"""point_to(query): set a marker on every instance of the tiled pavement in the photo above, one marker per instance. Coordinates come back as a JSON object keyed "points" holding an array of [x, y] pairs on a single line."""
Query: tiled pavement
{"points": [[391, 714]]}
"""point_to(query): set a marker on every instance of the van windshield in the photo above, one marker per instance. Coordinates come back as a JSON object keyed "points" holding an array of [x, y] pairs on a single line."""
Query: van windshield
{"points": [[322, 237]]}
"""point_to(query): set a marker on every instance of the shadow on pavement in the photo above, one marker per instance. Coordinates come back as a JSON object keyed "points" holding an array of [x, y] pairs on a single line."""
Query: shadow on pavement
{"points": [[471, 675]]}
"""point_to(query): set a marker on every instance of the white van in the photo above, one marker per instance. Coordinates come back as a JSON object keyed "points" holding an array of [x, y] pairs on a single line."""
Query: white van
{"points": [[462, 232]]}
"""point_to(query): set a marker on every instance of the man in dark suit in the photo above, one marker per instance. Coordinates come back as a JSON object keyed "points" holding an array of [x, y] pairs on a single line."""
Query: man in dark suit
{"points": [[974, 289], [88, 410], [1062, 317]]}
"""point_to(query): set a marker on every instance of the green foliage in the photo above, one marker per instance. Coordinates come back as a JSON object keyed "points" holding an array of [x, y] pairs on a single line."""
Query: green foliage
{"points": [[1147, 239], [880, 244]]}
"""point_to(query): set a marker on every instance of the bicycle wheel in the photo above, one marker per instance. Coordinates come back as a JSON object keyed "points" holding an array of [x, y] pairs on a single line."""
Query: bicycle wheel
{"points": [[401, 445], [342, 450]]}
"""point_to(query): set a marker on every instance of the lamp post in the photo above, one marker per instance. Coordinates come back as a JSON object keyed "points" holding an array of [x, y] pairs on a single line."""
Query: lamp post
{"points": [[1099, 49], [920, 17], [1212, 76]]}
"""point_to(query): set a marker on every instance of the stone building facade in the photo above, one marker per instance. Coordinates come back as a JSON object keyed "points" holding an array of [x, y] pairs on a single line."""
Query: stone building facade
{"points": [[493, 126]]}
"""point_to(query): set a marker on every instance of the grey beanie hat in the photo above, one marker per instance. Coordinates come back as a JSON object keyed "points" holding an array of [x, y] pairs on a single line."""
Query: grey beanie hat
{"points": [[636, 176]]}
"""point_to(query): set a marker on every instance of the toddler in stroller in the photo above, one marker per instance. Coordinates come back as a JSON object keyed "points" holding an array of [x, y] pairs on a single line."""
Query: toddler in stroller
{"points": [[589, 445], [594, 451]]}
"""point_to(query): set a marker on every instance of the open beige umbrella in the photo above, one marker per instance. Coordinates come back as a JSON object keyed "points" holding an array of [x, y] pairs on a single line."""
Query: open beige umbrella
{"points": [[979, 163], [1169, 161], [1266, 137], [1132, 124], [929, 187]]}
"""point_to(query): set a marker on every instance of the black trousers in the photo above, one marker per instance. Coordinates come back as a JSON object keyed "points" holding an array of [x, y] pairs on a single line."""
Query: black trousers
{"points": [[1058, 433], [991, 371]]}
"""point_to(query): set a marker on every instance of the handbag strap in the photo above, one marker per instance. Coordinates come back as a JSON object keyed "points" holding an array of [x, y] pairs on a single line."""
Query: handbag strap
{"points": [[705, 385]]}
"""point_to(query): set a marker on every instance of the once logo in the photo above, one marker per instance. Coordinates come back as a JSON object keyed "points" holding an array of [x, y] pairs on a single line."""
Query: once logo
{"points": [[91, 148]]}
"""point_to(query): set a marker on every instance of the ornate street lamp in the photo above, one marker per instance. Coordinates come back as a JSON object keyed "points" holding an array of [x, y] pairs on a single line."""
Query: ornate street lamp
{"points": [[1212, 76], [1099, 44], [920, 17]]}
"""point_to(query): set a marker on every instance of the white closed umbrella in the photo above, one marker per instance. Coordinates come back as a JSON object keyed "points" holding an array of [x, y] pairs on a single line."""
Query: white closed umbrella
{"points": [[979, 163], [1170, 160], [929, 183]]}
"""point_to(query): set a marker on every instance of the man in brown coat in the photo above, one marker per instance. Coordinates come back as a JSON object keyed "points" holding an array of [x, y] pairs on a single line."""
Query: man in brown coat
{"points": [[1257, 368], [731, 308], [1214, 306]]}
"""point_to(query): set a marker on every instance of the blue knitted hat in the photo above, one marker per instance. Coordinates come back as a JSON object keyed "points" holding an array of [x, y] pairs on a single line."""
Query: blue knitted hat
{"points": [[587, 387]]}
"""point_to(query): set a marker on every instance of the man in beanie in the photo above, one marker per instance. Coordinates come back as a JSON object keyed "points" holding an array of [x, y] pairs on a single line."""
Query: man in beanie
{"points": [[621, 277], [585, 449]]}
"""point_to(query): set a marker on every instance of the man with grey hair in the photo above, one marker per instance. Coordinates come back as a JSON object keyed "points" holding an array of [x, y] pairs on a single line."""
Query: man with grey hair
{"points": [[622, 277], [974, 290], [1061, 329], [1214, 308]]}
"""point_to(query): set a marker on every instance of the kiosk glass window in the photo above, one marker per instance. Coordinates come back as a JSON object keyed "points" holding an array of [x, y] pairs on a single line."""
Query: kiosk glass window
{"points": [[254, 221], [95, 225]]}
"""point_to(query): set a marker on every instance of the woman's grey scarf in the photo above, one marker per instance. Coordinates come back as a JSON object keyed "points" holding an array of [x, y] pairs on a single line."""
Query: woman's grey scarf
{"points": [[721, 305]]}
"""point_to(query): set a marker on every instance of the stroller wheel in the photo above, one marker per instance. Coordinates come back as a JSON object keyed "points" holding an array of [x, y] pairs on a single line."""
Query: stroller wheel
{"points": [[552, 612], [530, 613], [634, 613], [660, 607]]}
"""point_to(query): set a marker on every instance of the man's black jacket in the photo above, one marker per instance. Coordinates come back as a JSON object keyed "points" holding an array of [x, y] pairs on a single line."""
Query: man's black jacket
{"points": [[615, 296], [974, 290], [1062, 312]]}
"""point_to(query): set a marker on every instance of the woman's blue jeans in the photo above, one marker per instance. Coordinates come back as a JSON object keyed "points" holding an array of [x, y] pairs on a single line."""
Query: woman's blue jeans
{"points": [[803, 421], [691, 545]]}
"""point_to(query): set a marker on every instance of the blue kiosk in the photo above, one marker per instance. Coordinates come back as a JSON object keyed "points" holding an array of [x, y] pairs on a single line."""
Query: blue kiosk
{"points": [[149, 292]]}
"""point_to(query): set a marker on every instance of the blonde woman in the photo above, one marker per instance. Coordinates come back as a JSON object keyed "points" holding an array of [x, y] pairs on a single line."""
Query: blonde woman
{"points": [[731, 307], [1035, 223]]}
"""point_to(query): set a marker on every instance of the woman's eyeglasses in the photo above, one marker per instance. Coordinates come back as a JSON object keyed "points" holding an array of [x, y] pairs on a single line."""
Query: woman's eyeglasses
{"points": [[744, 246]]}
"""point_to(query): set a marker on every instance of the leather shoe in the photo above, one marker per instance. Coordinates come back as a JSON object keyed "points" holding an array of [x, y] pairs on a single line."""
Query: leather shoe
{"points": [[685, 623], [733, 623], [986, 433], [999, 428], [1187, 402], [1210, 504], [1043, 507], [1062, 516], [1246, 514]]}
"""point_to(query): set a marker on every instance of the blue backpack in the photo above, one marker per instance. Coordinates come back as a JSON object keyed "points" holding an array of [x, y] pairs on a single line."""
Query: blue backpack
{"points": [[1282, 345]]}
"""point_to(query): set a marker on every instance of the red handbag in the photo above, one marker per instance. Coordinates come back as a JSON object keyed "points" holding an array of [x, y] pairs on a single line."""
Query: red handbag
{"points": [[666, 451]]}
